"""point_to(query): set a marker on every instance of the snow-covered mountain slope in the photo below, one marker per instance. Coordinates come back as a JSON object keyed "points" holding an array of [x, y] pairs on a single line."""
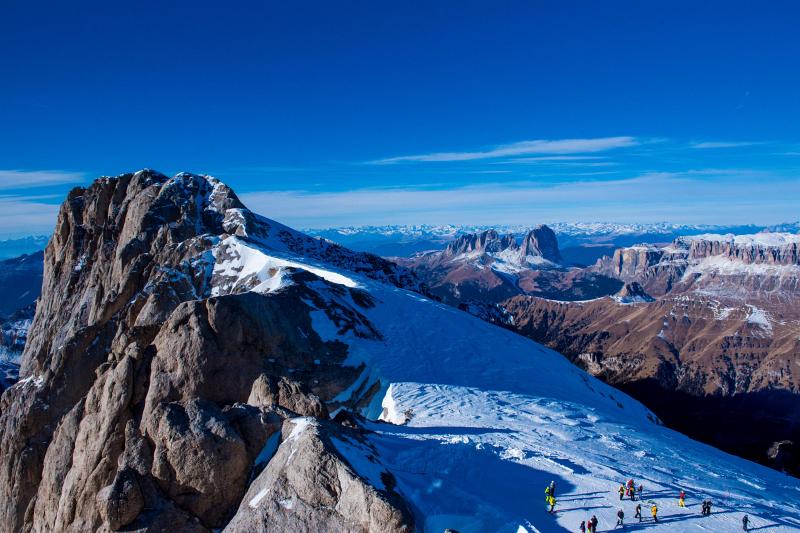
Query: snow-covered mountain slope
{"points": [[477, 420]]}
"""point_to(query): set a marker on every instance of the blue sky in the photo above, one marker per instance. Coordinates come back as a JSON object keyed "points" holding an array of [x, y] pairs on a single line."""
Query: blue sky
{"points": [[323, 113]]}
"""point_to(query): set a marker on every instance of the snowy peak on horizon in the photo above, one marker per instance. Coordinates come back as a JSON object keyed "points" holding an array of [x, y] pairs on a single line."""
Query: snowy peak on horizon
{"points": [[566, 228], [538, 247], [406, 240]]}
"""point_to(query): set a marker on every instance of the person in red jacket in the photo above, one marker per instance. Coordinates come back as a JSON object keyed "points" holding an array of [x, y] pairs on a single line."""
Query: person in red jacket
{"points": [[681, 498]]}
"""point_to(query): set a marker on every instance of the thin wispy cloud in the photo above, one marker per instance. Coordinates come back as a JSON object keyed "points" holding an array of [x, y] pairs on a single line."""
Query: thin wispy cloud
{"points": [[26, 216], [550, 158], [27, 207], [723, 144], [559, 146], [490, 171], [675, 196], [23, 179]]}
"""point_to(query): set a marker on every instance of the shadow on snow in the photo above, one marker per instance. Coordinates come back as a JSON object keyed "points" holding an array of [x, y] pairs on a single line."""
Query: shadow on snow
{"points": [[459, 484]]}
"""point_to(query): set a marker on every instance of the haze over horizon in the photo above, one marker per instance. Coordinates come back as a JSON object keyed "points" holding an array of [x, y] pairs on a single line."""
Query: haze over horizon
{"points": [[357, 114]]}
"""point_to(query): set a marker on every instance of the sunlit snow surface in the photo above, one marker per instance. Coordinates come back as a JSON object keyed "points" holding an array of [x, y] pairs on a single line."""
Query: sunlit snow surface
{"points": [[491, 418], [264, 268]]}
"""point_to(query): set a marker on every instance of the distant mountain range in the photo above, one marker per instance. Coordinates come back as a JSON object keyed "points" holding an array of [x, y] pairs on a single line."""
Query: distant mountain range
{"points": [[581, 242], [25, 245], [20, 281]]}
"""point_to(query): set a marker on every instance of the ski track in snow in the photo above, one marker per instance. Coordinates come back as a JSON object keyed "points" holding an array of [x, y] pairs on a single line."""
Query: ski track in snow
{"points": [[484, 419]]}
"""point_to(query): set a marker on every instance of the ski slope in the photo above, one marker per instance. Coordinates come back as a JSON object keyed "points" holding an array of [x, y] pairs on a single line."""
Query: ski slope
{"points": [[474, 421]]}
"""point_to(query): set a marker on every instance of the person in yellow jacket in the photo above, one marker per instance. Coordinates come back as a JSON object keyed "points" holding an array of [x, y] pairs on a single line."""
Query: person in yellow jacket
{"points": [[654, 512], [621, 492], [551, 501]]}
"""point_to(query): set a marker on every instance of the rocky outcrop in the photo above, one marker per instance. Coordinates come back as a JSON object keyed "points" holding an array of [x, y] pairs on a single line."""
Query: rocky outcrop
{"points": [[488, 241], [309, 485], [757, 249], [487, 267], [148, 393], [785, 456], [758, 263], [632, 293], [656, 269], [541, 242]]}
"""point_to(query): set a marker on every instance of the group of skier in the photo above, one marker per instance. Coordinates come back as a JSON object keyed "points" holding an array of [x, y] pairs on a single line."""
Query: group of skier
{"points": [[630, 489], [589, 526]]}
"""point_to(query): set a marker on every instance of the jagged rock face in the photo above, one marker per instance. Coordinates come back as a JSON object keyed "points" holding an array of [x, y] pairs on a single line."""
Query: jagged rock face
{"points": [[487, 267], [769, 249], [785, 455], [657, 270], [632, 293], [480, 243], [318, 490], [541, 241], [725, 265], [145, 401]]}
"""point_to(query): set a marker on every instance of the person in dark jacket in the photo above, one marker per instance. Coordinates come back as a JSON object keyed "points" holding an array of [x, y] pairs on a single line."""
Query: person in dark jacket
{"points": [[594, 524], [620, 519], [706, 509], [745, 523], [638, 512]]}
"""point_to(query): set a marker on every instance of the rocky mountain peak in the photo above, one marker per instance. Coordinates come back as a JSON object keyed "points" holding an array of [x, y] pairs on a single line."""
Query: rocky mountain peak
{"points": [[489, 241], [146, 396], [632, 293], [541, 241]]}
